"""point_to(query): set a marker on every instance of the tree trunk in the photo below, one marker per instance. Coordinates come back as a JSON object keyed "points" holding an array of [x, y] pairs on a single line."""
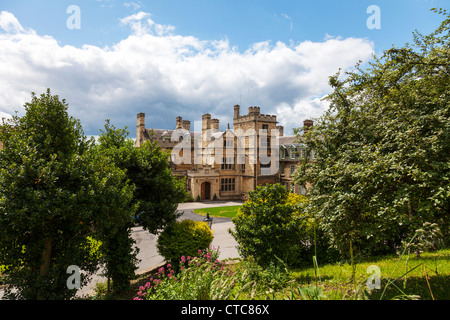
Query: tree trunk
{"points": [[45, 260]]}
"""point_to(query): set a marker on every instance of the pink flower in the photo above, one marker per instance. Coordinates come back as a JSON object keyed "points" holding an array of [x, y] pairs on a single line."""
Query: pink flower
{"points": [[169, 265], [183, 259]]}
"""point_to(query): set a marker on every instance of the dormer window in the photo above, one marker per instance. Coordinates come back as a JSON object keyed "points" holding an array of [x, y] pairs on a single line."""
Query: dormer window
{"points": [[282, 152], [293, 151], [165, 136], [303, 152]]}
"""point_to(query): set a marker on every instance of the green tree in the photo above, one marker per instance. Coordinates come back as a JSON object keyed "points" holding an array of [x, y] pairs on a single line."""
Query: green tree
{"points": [[381, 151], [156, 194], [54, 196]]}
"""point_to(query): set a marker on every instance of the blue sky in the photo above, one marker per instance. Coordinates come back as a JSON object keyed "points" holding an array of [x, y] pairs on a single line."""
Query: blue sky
{"points": [[170, 58], [243, 22]]}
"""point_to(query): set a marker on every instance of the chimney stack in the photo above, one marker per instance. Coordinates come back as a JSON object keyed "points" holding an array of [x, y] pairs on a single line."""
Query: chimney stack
{"points": [[206, 125], [179, 123], [307, 124], [140, 128], [215, 124], [280, 130], [236, 111], [186, 124]]}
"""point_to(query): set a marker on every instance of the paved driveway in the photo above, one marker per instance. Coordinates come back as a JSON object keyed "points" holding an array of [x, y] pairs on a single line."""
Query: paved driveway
{"points": [[227, 245]]}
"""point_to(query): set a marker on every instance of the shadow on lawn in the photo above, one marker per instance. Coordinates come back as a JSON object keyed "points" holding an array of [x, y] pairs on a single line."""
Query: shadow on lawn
{"points": [[414, 286]]}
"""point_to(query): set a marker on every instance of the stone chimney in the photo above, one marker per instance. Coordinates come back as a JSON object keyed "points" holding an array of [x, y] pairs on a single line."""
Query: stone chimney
{"points": [[206, 125], [215, 124], [307, 124], [280, 130], [179, 123], [236, 111], [186, 124], [140, 129]]}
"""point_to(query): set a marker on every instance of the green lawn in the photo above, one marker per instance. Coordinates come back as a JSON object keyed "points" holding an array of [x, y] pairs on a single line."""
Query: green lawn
{"points": [[399, 277], [224, 212]]}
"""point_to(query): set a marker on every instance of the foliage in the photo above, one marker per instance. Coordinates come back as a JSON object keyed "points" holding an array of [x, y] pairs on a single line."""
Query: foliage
{"points": [[401, 277], [157, 192], [269, 226], [203, 277], [199, 278], [54, 195], [183, 238], [381, 151], [428, 278], [119, 255], [427, 238]]}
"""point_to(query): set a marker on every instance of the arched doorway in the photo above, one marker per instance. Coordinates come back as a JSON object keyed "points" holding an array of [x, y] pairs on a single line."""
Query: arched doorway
{"points": [[206, 191]]}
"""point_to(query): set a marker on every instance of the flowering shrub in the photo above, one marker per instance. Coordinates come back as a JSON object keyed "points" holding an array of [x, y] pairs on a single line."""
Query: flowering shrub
{"points": [[200, 277]]}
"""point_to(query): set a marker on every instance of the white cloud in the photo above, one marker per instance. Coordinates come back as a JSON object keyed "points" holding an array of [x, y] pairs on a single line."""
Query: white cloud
{"points": [[4, 116], [284, 15], [164, 74], [9, 23], [133, 5]]}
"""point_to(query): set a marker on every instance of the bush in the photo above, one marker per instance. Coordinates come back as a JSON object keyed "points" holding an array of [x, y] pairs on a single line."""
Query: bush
{"points": [[269, 227], [184, 238]]}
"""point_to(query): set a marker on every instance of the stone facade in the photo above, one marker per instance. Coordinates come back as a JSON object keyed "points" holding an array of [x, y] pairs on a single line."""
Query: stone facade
{"points": [[226, 165]]}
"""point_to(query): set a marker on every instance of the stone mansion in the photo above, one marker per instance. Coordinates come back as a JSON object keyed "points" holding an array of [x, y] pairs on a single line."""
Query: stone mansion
{"points": [[226, 165]]}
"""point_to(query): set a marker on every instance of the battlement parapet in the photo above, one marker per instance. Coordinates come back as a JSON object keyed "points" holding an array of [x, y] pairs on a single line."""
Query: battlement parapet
{"points": [[257, 117]]}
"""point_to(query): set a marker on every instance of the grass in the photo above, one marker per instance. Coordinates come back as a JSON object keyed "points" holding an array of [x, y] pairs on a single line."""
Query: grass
{"points": [[427, 277], [401, 278], [221, 212]]}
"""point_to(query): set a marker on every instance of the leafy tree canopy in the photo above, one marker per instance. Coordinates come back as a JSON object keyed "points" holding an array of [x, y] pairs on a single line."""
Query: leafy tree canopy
{"points": [[157, 192], [381, 151], [54, 195]]}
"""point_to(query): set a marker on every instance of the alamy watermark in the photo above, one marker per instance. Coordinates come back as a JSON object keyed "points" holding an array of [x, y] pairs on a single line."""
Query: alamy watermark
{"points": [[374, 280], [374, 20], [74, 20], [73, 281], [227, 149]]}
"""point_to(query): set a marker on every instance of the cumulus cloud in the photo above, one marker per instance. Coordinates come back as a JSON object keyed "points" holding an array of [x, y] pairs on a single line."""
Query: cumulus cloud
{"points": [[164, 74], [9, 23]]}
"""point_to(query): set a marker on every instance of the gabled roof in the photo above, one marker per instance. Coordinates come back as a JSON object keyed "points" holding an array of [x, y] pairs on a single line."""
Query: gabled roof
{"points": [[159, 133]]}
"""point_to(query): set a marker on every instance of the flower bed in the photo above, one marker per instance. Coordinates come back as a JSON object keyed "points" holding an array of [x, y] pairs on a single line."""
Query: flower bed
{"points": [[199, 278]]}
